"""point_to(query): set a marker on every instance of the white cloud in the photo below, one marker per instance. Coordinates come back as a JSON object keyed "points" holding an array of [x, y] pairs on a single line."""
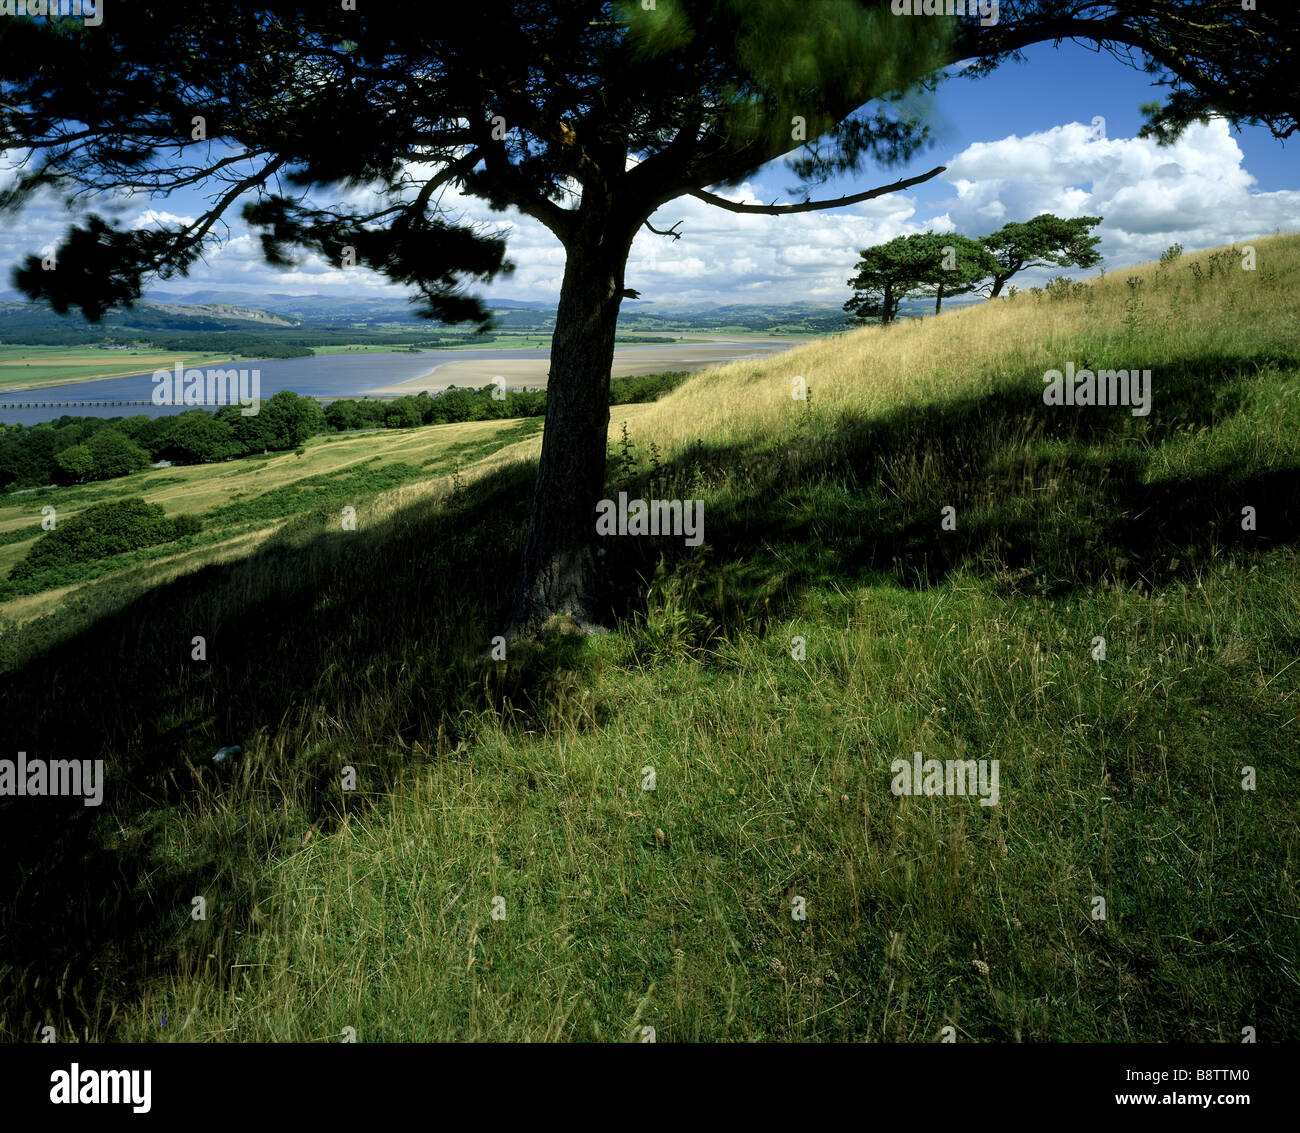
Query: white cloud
{"points": [[724, 257], [152, 218], [1196, 192]]}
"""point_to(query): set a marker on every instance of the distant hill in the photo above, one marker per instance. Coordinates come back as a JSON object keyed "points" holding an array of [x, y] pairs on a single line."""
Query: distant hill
{"points": [[18, 317], [338, 311], [355, 318], [331, 310], [223, 312]]}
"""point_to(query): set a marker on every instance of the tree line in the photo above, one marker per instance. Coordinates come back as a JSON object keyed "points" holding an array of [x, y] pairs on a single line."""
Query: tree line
{"points": [[74, 450], [944, 264]]}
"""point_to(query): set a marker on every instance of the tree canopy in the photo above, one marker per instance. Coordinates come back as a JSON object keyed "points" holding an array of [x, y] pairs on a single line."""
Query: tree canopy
{"points": [[1044, 241], [960, 266], [944, 264], [888, 273]]}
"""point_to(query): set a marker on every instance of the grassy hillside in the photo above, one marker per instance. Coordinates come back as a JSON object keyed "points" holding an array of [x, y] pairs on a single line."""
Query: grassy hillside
{"points": [[621, 907], [250, 495]]}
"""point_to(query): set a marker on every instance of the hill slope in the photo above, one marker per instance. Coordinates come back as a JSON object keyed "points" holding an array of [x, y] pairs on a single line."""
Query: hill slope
{"points": [[689, 825]]}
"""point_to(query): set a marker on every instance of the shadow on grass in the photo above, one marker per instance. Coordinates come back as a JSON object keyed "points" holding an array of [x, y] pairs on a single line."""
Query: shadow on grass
{"points": [[323, 651], [1046, 500], [362, 648]]}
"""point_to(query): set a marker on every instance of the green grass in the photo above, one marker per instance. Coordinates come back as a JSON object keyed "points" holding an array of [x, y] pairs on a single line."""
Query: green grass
{"points": [[627, 908], [39, 366], [238, 497]]}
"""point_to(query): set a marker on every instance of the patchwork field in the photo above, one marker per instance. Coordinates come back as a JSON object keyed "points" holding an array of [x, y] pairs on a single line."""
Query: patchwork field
{"points": [[39, 366]]}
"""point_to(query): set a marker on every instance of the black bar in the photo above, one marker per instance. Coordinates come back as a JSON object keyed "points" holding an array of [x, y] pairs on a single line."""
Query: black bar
{"points": [[336, 1081]]}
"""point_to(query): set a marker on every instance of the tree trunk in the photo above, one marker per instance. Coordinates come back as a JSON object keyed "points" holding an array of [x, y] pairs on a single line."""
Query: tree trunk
{"points": [[998, 281], [559, 574], [938, 298]]}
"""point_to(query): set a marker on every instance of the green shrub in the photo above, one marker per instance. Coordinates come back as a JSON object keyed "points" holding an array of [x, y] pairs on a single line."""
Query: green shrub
{"points": [[1063, 287], [404, 413], [187, 525], [74, 464], [102, 530], [115, 454]]}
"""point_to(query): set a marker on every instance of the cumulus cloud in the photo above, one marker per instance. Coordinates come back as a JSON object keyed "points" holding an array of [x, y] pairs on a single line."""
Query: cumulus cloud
{"points": [[1196, 192], [723, 254], [152, 218]]}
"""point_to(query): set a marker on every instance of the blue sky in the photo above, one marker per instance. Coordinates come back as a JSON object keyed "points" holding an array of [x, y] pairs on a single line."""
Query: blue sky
{"points": [[1017, 143], [1074, 83]]}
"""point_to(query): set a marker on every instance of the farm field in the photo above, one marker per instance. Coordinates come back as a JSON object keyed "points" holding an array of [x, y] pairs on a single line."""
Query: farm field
{"points": [[39, 366]]}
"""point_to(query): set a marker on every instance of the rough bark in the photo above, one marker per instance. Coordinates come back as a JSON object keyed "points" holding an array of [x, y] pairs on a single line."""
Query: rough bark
{"points": [[559, 574]]}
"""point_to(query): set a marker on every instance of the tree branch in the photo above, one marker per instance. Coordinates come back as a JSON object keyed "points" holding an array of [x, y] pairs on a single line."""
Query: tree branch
{"points": [[814, 206], [194, 234], [503, 184], [671, 232]]}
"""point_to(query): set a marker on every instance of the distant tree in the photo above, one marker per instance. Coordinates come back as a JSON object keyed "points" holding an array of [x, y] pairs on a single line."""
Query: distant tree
{"points": [[151, 433], [492, 405], [425, 403], [13, 457], [197, 437], [27, 457], [343, 415], [115, 454], [252, 434], [67, 432], [887, 274], [291, 419], [1045, 241], [961, 265], [532, 404], [74, 465], [371, 411], [133, 427], [403, 413], [456, 405]]}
